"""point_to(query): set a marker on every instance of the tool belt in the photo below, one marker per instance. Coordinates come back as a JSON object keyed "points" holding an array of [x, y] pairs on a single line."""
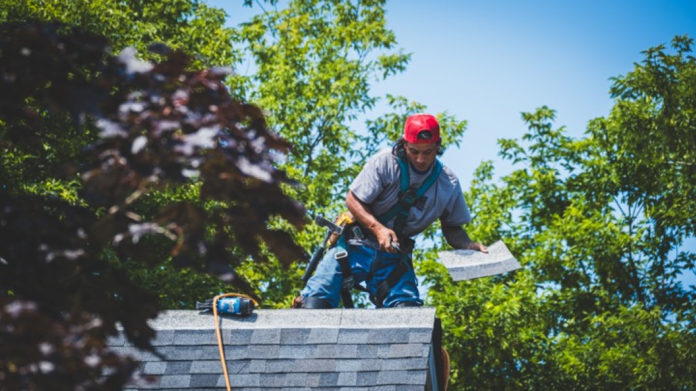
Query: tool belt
{"points": [[348, 284]]}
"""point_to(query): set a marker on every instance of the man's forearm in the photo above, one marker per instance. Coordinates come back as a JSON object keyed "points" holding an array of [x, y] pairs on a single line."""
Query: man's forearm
{"points": [[456, 237], [362, 213]]}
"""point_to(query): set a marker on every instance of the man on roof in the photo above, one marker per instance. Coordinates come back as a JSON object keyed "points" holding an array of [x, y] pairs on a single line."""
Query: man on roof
{"points": [[397, 195]]}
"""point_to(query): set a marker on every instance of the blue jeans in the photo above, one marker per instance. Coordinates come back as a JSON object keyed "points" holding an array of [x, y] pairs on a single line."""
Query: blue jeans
{"points": [[326, 282]]}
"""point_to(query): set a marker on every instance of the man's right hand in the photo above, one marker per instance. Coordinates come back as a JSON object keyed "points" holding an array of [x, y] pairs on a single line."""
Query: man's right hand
{"points": [[385, 237]]}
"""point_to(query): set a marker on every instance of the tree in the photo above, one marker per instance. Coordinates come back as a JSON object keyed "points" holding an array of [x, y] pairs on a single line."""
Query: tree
{"points": [[316, 61], [63, 285], [598, 224], [39, 168]]}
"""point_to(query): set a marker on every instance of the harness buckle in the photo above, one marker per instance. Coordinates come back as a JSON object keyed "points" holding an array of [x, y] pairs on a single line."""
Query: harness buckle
{"points": [[408, 198], [357, 232]]}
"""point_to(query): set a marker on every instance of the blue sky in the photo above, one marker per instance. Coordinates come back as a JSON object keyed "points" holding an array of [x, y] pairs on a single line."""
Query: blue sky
{"points": [[488, 61]]}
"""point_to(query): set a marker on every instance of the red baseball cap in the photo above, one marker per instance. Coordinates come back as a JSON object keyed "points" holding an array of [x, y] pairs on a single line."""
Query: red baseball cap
{"points": [[421, 129]]}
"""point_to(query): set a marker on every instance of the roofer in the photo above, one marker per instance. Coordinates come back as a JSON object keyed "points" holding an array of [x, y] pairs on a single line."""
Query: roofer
{"points": [[389, 209]]}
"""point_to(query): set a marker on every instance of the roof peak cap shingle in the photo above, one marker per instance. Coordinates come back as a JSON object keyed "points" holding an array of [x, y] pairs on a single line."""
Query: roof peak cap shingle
{"points": [[300, 318]]}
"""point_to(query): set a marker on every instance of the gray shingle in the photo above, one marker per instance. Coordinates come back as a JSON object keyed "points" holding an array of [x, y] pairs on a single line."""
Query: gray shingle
{"points": [[195, 337], [367, 351], [367, 378], [328, 365], [175, 381], [323, 335], [346, 351], [383, 388], [294, 336], [353, 336], [347, 379], [154, 368], [296, 318], [234, 367], [205, 380], [370, 364], [256, 366], [237, 337], [163, 338], [295, 380], [403, 350], [297, 351], [263, 351], [241, 380], [401, 377], [180, 353], [178, 368], [313, 379], [277, 366], [336, 351], [272, 380], [265, 337], [395, 335], [325, 351], [236, 352], [387, 317], [409, 388], [328, 379], [354, 389], [420, 335], [206, 366], [348, 365], [405, 364], [417, 377]]}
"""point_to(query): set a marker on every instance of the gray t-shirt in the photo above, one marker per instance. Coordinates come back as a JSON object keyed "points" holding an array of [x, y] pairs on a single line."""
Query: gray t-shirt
{"points": [[379, 183]]}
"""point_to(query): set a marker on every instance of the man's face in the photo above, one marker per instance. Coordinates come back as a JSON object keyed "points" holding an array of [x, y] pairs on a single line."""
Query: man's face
{"points": [[421, 156]]}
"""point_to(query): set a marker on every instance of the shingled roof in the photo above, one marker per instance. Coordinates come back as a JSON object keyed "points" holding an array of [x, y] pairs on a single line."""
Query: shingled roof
{"points": [[341, 349]]}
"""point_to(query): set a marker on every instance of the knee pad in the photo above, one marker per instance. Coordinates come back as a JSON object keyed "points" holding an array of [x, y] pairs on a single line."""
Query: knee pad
{"points": [[315, 303]]}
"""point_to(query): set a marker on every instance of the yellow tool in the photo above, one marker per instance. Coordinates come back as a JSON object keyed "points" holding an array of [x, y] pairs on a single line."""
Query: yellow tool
{"points": [[345, 218]]}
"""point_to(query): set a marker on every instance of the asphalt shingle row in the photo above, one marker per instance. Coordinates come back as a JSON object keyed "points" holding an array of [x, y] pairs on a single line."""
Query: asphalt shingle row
{"points": [[271, 352], [288, 336], [283, 366], [399, 387], [283, 380]]}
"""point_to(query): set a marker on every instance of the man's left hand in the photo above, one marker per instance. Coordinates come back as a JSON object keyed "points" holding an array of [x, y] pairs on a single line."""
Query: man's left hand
{"points": [[477, 247]]}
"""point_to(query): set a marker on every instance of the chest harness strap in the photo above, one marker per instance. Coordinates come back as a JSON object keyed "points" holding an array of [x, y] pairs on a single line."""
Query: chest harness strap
{"points": [[399, 211]]}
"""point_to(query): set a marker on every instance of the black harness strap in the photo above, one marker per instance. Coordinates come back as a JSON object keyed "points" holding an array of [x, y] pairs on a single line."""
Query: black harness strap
{"points": [[399, 211], [392, 279]]}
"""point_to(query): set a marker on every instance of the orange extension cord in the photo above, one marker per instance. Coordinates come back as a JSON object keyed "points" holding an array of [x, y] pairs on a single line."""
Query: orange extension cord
{"points": [[219, 334], [446, 369]]}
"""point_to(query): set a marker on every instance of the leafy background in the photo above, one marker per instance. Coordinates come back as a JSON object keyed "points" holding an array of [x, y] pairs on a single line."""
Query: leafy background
{"points": [[598, 220]]}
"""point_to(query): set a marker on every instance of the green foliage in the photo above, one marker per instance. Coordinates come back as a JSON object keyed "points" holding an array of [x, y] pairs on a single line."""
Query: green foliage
{"points": [[67, 256], [188, 25], [598, 224], [315, 64]]}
